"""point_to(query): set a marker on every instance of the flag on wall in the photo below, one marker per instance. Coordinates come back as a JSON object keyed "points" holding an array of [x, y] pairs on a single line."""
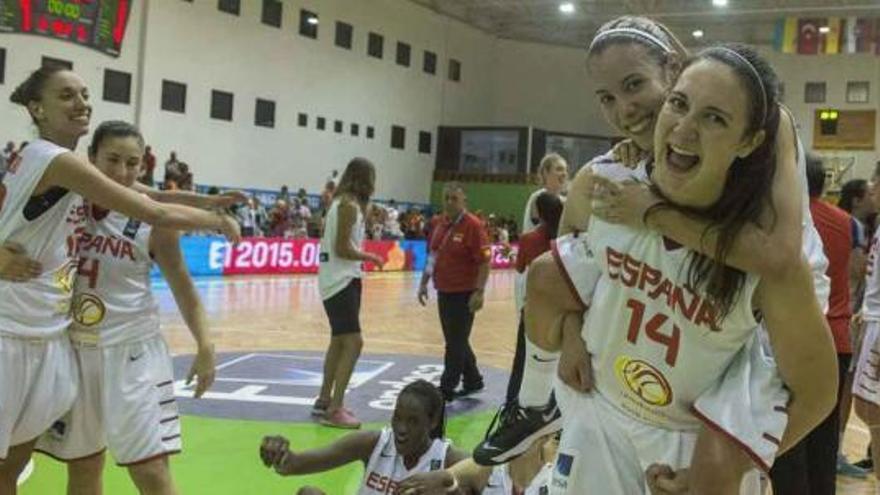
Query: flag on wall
{"points": [[789, 35], [831, 39], [808, 36], [849, 35], [864, 35]]}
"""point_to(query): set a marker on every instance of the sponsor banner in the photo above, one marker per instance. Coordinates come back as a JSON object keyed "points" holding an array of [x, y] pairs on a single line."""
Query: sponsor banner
{"points": [[208, 256]]}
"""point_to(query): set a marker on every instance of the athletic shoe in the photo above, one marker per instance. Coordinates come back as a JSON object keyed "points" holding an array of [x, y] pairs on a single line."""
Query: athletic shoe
{"points": [[867, 464], [341, 418], [518, 428], [319, 408], [448, 396], [467, 391], [844, 468]]}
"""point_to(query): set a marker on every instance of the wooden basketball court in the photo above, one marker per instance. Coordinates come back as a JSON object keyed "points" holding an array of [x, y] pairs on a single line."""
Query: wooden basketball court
{"points": [[284, 313]]}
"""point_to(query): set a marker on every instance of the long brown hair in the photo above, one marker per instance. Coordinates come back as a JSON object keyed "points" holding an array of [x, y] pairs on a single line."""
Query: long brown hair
{"points": [[358, 181], [747, 189]]}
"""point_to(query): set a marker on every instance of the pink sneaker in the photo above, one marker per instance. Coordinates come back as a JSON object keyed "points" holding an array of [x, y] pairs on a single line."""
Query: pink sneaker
{"points": [[341, 418]]}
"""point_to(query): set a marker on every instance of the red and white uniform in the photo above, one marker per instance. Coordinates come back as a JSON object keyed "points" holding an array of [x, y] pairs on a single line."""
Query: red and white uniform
{"points": [[500, 482], [37, 370], [126, 399], [656, 349], [385, 469], [866, 383]]}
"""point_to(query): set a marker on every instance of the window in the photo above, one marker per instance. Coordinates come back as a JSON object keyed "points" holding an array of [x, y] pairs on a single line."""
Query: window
{"points": [[302, 120], [337, 126], [858, 91], [229, 6], [430, 63], [265, 114], [57, 62], [272, 13], [398, 137], [343, 34], [355, 129], [117, 86], [403, 52], [2, 65], [454, 70], [371, 133], [173, 96], [814, 92], [374, 45], [221, 105], [321, 123], [308, 24], [425, 142]]}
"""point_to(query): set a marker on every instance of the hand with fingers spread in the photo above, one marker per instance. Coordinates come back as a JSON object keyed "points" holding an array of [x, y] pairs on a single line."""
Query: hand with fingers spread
{"points": [[626, 203], [15, 265], [662, 480], [628, 153], [276, 454], [203, 370]]}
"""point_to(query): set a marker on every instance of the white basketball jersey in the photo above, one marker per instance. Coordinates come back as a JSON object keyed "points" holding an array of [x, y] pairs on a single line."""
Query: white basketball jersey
{"points": [[334, 273], [500, 482], [655, 343], [386, 470], [114, 303], [871, 302], [46, 226]]}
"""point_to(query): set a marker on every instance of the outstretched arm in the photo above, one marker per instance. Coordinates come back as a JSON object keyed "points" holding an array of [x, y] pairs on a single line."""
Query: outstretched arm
{"points": [[275, 453]]}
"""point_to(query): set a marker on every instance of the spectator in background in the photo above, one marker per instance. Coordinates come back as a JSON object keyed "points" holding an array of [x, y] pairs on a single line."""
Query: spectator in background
{"points": [[299, 217], [172, 166], [185, 180], [415, 225], [376, 222], [279, 219], [148, 167], [261, 217], [246, 215], [392, 222], [284, 195], [334, 178], [327, 196], [302, 196]]}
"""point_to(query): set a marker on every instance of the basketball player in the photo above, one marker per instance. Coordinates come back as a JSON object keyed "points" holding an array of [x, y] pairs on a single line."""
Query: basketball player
{"points": [[665, 322], [126, 397], [413, 444], [42, 211], [339, 282], [528, 474], [865, 382], [554, 176], [634, 60]]}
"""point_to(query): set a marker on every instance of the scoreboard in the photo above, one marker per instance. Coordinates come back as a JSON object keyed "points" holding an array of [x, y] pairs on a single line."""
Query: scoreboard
{"points": [[97, 24]]}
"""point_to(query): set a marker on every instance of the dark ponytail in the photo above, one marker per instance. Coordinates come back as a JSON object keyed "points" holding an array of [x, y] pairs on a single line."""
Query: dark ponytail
{"points": [[431, 399]]}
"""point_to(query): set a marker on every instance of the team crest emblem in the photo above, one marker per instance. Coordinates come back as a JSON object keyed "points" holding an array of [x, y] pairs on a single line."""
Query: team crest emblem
{"points": [[643, 380], [88, 310]]}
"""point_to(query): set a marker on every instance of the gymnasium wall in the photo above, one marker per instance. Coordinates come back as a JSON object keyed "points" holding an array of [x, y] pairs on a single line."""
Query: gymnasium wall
{"points": [[835, 70]]}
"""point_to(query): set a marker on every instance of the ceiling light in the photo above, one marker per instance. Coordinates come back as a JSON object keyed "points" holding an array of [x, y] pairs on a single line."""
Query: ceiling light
{"points": [[698, 33], [719, 3], [566, 8], [824, 29], [313, 21]]}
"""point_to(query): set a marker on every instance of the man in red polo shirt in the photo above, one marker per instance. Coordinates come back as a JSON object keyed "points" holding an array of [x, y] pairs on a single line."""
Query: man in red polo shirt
{"points": [[459, 264], [809, 468]]}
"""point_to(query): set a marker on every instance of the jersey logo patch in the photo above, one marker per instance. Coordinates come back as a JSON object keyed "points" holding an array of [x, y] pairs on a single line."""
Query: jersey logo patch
{"points": [[131, 228], [643, 380], [436, 464]]}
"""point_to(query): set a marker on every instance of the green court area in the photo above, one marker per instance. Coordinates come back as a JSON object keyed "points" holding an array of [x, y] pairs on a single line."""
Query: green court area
{"points": [[221, 458]]}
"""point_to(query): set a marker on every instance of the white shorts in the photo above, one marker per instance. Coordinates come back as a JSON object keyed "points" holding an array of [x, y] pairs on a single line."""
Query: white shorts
{"points": [[749, 404], [37, 386], [866, 383], [126, 402], [605, 452]]}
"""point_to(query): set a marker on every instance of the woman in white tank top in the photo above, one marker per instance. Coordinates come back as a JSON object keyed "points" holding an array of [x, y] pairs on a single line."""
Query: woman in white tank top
{"points": [[413, 444], [42, 212], [528, 474], [339, 282]]}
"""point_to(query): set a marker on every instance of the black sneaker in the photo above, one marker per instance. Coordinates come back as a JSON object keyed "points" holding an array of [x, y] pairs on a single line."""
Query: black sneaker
{"points": [[866, 464], [448, 396], [467, 391], [518, 428]]}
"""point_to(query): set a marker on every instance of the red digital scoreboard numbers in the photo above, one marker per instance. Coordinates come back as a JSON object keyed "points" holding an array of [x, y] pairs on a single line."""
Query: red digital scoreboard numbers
{"points": [[97, 24]]}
